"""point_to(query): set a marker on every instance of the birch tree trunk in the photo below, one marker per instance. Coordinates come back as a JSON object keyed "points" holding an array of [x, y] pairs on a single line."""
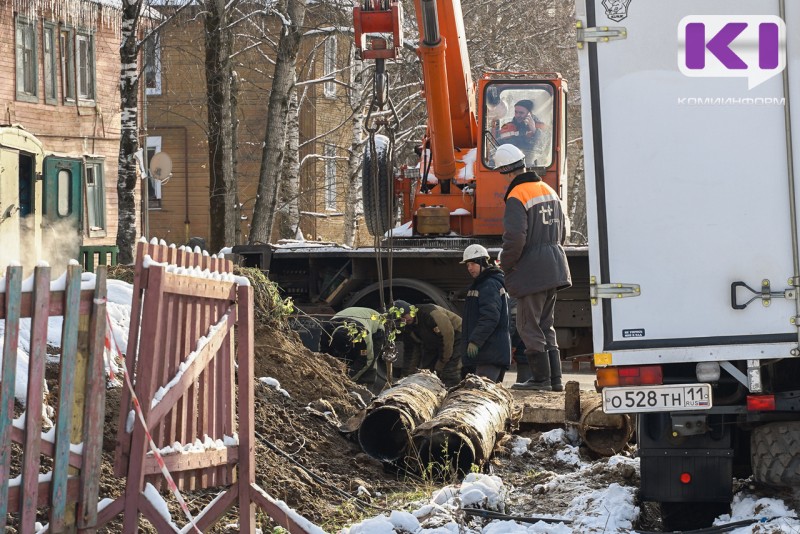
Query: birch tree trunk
{"points": [[290, 178], [129, 141], [222, 181], [277, 111], [352, 199]]}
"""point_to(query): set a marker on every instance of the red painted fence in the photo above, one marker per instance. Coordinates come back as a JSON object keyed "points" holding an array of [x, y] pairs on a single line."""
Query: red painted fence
{"points": [[181, 350]]}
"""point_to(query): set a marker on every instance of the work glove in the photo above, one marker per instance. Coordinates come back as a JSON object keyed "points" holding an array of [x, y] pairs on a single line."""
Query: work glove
{"points": [[439, 368], [472, 351]]}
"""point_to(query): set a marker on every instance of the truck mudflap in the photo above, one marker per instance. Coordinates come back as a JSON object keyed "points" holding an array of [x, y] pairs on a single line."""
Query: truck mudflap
{"points": [[684, 468]]}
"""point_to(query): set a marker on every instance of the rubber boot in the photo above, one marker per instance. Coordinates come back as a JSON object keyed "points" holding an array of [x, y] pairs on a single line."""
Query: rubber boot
{"points": [[523, 369], [539, 362], [555, 370]]}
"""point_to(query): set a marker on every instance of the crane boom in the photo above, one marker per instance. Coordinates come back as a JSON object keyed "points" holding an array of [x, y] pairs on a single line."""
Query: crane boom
{"points": [[458, 78]]}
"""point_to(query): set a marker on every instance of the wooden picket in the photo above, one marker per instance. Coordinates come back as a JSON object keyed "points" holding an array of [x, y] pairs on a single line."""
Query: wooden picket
{"points": [[71, 486], [171, 311]]}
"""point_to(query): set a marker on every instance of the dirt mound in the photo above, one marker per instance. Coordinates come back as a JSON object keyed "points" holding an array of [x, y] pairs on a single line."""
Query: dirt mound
{"points": [[301, 456], [305, 375]]}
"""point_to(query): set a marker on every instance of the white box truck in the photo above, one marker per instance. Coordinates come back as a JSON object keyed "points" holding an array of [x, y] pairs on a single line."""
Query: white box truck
{"points": [[692, 170]]}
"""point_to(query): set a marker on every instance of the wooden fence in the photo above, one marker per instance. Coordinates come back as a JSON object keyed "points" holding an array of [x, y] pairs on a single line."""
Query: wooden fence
{"points": [[181, 351], [75, 473]]}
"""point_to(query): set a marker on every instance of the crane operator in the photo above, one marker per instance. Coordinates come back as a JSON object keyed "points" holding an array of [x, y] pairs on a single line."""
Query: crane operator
{"points": [[524, 130]]}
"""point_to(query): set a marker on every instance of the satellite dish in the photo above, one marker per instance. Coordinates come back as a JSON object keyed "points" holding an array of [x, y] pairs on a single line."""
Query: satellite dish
{"points": [[161, 167]]}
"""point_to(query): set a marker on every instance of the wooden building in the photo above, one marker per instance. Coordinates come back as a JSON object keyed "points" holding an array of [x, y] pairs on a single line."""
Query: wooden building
{"points": [[60, 127], [177, 119]]}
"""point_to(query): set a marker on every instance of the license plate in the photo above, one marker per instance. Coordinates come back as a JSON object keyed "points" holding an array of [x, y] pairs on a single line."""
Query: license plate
{"points": [[657, 398]]}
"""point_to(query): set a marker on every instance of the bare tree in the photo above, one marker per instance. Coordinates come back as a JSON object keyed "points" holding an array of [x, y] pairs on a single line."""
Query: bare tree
{"points": [[292, 14], [219, 75], [129, 135], [352, 204], [288, 209]]}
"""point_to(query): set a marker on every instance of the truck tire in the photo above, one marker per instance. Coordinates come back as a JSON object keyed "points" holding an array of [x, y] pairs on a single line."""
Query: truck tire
{"points": [[377, 189], [414, 291], [775, 454]]}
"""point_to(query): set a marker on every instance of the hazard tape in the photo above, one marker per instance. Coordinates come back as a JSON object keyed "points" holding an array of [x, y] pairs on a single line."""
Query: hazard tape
{"points": [[140, 415]]}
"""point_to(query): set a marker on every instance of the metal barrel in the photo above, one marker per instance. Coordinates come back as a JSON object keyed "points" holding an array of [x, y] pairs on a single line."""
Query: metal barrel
{"points": [[385, 432]]}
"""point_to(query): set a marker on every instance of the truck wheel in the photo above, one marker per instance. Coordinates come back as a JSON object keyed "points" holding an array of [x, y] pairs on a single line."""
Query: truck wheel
{"points": [[775, 454], [377, 188]]}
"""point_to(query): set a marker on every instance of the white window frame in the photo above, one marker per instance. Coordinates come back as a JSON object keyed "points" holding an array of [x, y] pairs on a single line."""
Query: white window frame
{"points": [[153, 44], [90, 76], [96, 217], [329, 65], [329, 152], [23, 25], [154, 145]]}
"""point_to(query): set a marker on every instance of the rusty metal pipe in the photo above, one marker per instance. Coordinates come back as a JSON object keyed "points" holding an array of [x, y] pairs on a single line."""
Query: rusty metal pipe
{"points": [[464, 431], [605, 434], [385, 432]]}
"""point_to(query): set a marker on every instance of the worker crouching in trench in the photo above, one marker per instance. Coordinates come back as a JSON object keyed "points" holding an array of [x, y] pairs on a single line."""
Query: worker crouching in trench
{"points": [[355, 336], [431, 340]]}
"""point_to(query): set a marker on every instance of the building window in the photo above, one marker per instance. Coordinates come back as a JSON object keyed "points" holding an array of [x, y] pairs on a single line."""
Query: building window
{"points": [[95, 198], [154, 186], [27, 66], [67, 63], [49, 54], [330, 177], [329, 65], [152, 65], [84, 47]]}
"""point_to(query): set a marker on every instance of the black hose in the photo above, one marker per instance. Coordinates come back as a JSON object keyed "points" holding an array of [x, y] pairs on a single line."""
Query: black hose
{"points": [[488, 514]]}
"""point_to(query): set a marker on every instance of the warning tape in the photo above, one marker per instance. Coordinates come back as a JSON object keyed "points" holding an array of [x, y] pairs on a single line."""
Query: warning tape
{"points": [[140, 415]]}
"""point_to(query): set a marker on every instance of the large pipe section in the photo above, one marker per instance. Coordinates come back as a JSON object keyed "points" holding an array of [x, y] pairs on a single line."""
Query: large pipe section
{"points": [[385, 432], [465, 429]]}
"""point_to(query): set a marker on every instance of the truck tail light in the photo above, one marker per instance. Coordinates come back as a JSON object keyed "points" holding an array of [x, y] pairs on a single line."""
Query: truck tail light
{"points": [[761, 403], [644, 375], [685, 478]]}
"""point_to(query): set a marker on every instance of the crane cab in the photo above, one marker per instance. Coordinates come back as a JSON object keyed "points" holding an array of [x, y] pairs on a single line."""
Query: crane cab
{"points": [[528, 111]]}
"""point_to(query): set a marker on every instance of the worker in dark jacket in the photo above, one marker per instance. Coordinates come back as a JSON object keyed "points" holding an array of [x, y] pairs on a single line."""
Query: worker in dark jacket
{"points": [[535, 264], [485, 340], [431, 340], [356, 336]]}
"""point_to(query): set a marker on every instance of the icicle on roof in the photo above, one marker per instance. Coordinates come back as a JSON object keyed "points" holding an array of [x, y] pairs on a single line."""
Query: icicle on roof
{"points": [[82, 13]]}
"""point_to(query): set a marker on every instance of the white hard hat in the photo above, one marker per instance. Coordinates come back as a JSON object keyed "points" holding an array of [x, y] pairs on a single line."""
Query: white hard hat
{"points": [[508, 158], [474, 252]]}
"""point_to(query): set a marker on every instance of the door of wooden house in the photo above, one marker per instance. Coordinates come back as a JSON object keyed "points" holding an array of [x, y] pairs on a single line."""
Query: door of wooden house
{"points": [[63, 197]]}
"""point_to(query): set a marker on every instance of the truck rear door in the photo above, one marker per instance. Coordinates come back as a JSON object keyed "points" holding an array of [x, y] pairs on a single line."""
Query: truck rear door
{"points": [[688, 176]]}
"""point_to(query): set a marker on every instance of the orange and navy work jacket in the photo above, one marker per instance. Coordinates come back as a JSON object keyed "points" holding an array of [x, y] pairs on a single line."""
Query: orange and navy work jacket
{"points": [[533, 235]]}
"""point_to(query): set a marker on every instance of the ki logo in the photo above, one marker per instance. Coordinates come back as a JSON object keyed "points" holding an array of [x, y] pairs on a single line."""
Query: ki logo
{"points": [[732, 46]]}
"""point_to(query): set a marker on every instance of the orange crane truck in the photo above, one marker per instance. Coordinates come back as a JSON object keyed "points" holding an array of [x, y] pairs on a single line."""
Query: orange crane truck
{"points": [[453, 198]]}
